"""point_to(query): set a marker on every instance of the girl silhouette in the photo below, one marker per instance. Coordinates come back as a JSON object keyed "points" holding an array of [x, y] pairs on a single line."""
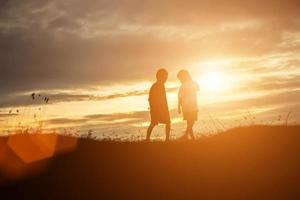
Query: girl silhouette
{"points": [[187, 101]]}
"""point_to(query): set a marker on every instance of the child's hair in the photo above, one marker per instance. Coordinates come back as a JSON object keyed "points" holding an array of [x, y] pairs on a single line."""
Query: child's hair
{"points": [[184, 75], [161, 74]]}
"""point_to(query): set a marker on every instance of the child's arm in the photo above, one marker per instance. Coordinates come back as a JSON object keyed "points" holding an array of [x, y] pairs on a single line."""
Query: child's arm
{"points": [[150, 97], [179, 108]]}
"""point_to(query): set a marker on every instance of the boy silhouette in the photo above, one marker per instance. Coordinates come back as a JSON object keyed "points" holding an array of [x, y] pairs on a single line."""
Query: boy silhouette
{"points": [[158, 104]]}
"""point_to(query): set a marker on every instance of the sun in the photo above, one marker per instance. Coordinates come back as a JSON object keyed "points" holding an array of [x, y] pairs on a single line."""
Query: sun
{"points": [[211, 81], [213, 75]]}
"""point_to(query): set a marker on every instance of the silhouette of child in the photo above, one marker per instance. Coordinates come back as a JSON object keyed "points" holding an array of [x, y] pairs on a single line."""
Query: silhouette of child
{"points": [[158, 104], [187, 101]]}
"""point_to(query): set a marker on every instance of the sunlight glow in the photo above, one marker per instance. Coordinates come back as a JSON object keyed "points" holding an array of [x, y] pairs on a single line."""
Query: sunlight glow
{"points": [[213, 76], [211, 81]]}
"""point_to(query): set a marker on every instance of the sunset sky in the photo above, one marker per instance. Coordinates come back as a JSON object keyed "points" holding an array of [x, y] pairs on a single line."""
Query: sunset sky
{"points": [[96, 60]]}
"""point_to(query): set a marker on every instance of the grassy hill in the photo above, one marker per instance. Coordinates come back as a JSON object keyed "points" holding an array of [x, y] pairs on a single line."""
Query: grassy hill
{"points": [[258, 162]]}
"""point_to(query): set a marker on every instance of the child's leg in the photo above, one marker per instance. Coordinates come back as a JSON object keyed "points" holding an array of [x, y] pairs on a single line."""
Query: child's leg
{"points": [[168, 129], [190, 125], [185, 136], [149, 130]]}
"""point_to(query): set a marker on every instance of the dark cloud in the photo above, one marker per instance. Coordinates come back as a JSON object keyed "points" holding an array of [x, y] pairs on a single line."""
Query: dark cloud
{"points": [[276, 99], [271, 83], [141, 115], [6, 115], [159, 12], [65, 121], [101, 121], [69, 44], [279, 103], [13, 100]]}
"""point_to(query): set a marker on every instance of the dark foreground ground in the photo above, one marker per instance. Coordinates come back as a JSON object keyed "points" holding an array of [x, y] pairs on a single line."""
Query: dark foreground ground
{"points": [[244, 163]]}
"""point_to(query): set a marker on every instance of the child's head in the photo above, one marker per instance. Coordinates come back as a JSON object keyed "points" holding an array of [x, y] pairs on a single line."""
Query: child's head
{"points": [[184, 76], [162, 75]]}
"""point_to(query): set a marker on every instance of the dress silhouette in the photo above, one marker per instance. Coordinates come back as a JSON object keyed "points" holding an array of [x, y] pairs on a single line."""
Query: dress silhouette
{"points": [[187, 101]]}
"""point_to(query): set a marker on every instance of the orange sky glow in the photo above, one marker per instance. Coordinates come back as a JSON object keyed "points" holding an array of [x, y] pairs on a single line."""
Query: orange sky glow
{"points": [[96, 62]]}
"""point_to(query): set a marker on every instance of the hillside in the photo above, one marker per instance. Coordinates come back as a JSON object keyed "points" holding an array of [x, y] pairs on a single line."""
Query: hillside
{"points": [[258, 162]]}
